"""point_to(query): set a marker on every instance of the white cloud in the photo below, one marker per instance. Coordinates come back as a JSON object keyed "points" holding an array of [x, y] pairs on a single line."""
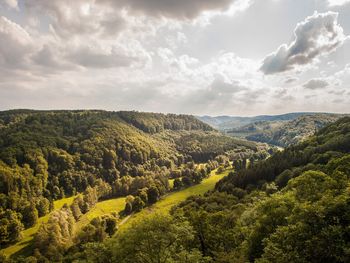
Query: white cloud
{"points": [[148, 56], [318, 35], [337, 2], [15, 44], [12, 3], [93, 58]]}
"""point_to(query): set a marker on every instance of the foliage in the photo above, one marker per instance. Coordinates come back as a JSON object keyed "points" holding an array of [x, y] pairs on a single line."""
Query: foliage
{"points": [[48, 155]]}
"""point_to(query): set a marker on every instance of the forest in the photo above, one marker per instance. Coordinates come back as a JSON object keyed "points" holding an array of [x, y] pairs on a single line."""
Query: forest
{"points": [[292, 207], [97, 155]]}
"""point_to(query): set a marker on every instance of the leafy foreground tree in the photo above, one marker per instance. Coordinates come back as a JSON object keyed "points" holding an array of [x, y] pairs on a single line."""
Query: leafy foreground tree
{"points": [[157, 239]]}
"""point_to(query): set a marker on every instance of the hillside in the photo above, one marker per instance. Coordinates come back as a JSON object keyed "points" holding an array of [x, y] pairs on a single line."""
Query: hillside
{"points": [[280, 130], [292, 207], [49, 155], [284, 133], [224, 123]]}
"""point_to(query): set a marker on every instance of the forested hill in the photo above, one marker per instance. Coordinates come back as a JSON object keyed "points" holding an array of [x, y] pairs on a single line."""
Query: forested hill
{"points": [[330, 142], [48, 155], [291, 207], [285, 133]]}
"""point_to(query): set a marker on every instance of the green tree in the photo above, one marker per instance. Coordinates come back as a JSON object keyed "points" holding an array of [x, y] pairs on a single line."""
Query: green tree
{"points": [[153, 194], [157, 238], [30, 215], [10, 227], [138, 204]]}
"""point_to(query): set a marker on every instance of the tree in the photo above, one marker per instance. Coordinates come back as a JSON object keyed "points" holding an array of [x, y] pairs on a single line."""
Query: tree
{"points": [[128, 208], [109, 158], [143, 194], [53, 237], [10, 227], [43, 207], [157, 238], [153, 194], [30, 215], [137, 204], [177, 184]]}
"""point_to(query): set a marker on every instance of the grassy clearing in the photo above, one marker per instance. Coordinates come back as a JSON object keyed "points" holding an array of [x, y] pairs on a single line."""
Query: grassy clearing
{"points": [[29, 233], [102, 208], [164, 205]]}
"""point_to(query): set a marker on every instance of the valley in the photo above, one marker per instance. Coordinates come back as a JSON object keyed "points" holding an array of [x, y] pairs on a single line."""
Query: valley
{"points": [[102, 186], [116, 206], [280, 130]]}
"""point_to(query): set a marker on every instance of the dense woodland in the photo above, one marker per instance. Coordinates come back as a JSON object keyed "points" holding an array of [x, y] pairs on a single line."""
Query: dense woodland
{"points": [[48, 155], [292, 207]]}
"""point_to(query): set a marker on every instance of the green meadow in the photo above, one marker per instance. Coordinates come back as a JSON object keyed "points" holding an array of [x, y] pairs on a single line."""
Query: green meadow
{"points": [[165, 204]]}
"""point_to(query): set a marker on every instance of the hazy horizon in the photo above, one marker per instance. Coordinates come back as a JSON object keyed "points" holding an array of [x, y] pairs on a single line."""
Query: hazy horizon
{"points": [[200, 57], [188, 113]]}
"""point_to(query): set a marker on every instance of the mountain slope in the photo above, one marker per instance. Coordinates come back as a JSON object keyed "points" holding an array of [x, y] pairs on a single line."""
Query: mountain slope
{"points": [[287, 132], [292, 207], [48, 155], [224, 123], [280, 130]]}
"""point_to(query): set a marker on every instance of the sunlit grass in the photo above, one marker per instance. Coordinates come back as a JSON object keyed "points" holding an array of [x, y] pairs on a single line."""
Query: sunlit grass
{"points": [[165, 204], [102, 208]]}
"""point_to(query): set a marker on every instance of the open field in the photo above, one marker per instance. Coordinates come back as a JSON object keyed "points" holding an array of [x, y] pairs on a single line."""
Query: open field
{"points": [[165, 204], [102, 208]]}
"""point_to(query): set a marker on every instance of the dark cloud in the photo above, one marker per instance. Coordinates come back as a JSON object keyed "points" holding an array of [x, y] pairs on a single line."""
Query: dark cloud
{"points": [[178, 9], [319, 34], [49, 58], [338, 93], [316, 84], [290, 80], [78, 17]]}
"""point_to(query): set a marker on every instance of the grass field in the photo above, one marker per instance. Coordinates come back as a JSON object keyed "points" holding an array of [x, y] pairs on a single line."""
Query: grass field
{"points": [[102, 208], [165, 204], [28, 234]]}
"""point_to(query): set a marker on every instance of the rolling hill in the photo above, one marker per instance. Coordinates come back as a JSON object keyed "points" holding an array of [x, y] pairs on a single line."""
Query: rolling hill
{"points": [[50, 155], [279, 130]]}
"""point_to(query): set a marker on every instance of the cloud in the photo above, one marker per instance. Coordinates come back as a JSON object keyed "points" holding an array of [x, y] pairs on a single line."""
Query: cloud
{"points": [[337, 2], [317, 35], [179, 9], [79, 17], [290, 80], [223, 87], [15, 44], [93, 58], [316, 84], [12, 3]]}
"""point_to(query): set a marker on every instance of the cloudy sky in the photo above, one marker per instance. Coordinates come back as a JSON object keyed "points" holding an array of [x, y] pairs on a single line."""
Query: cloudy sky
{"points": [[233, 57]]}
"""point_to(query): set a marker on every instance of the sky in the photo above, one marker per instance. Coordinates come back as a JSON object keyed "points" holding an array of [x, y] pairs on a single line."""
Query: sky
{"points": [[202, 57]]}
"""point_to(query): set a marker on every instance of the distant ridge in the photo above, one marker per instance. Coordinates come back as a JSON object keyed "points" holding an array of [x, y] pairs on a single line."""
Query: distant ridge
{"points": [[226, 122]]}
